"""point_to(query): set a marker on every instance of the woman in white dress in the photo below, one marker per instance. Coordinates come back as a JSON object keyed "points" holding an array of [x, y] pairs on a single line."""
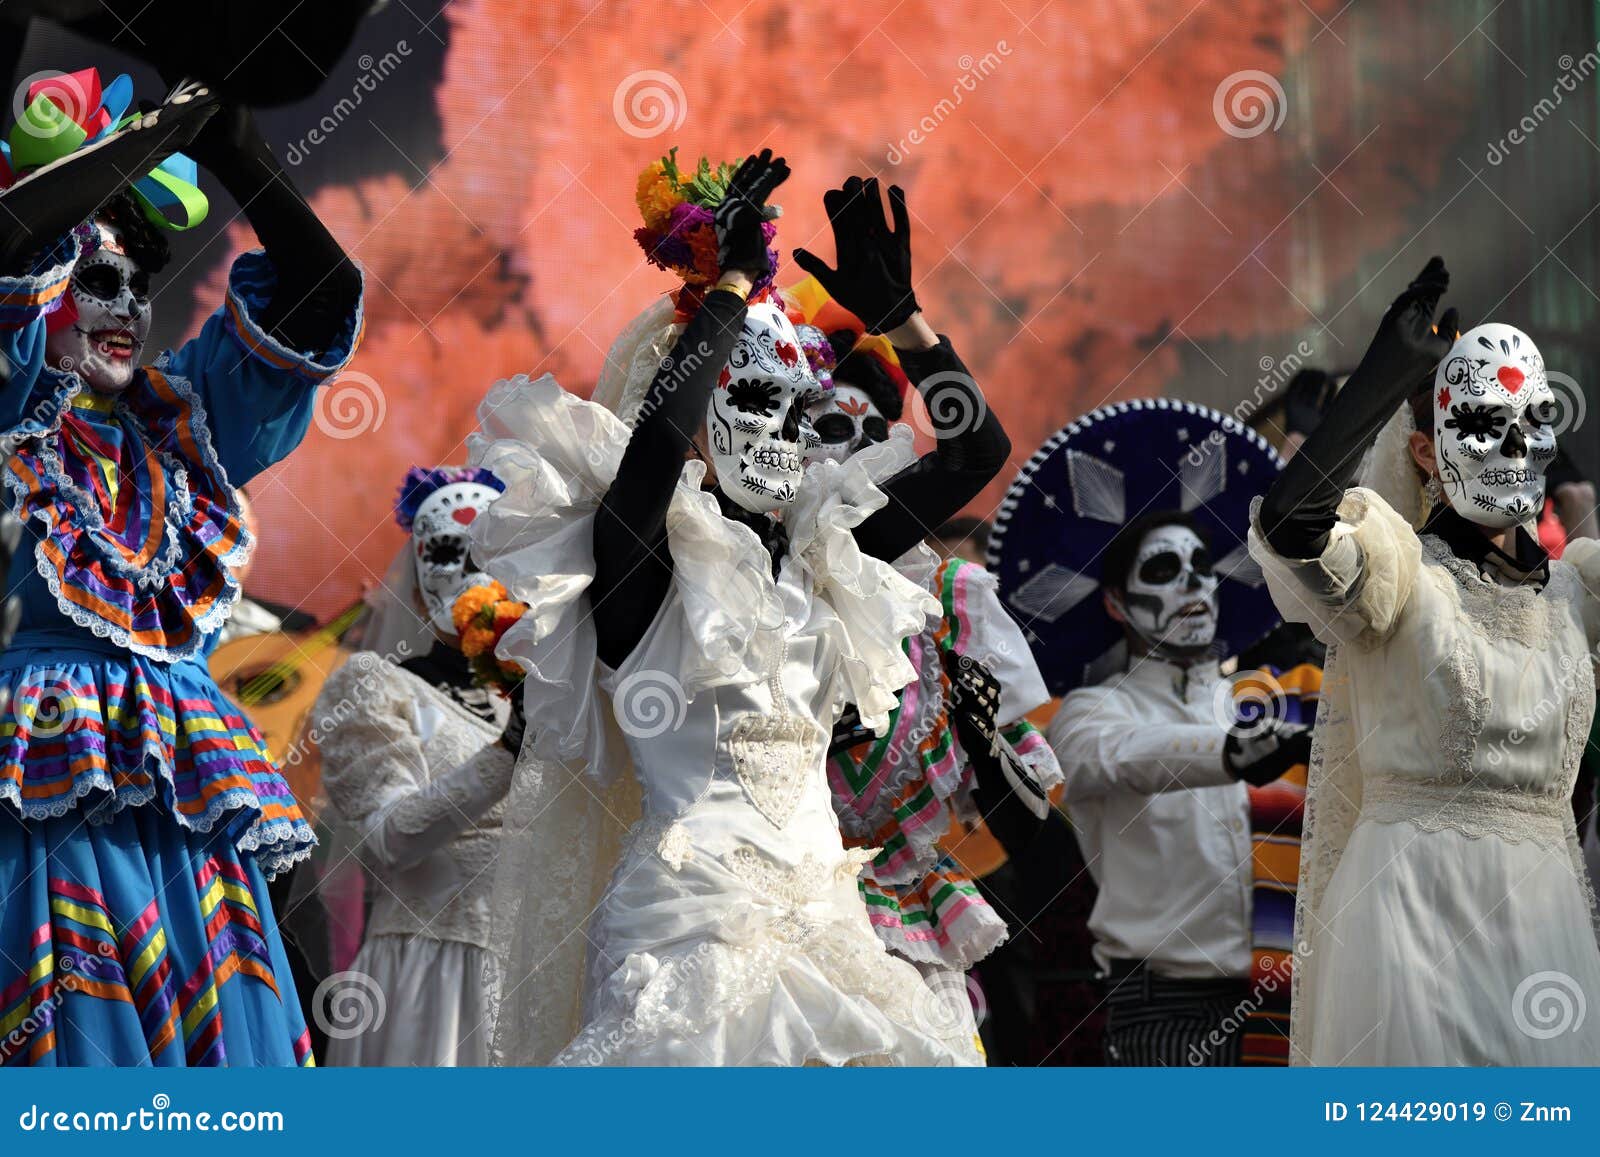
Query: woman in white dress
{"points": [[1443, 910], [416, 762], [723, 644]]}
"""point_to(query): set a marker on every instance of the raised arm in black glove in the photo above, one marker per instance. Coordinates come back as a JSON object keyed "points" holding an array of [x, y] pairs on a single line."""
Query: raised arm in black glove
{"points": [[873, 281], [633, 567], [318, 285], [1302, 505]]}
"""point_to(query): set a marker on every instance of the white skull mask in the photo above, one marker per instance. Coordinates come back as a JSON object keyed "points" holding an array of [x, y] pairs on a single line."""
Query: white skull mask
{"points": [[845, 420], [1492, 432], [1171, 594], [755, 421], [112, 294], [439, 547]]}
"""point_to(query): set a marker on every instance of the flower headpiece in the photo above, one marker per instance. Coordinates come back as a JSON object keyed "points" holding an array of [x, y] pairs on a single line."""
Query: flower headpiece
{"points": [[419, 484], [819, 352], [678, 234], [67, 111]]}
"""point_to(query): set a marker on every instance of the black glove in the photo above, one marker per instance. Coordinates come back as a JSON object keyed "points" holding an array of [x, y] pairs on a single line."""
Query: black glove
{"points": [[1300, 508], [848, 731], [974, 703], [873, 279], [1263, 750], [516, 725], [741, 243], [1305, 401]]}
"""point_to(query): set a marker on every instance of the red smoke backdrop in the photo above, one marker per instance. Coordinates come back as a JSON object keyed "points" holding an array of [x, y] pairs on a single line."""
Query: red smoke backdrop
{"points": [[1109, 200]]}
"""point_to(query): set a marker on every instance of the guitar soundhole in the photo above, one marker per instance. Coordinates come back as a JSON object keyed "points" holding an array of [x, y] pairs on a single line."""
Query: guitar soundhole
{"points": [[265, 687]]}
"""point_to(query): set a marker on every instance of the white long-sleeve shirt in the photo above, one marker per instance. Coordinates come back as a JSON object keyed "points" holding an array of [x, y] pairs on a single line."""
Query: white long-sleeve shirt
{"points": [[1164, 829]]}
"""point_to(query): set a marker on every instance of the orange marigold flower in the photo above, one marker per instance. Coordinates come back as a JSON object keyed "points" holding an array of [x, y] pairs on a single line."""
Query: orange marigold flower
{"points": [[656, 194]]}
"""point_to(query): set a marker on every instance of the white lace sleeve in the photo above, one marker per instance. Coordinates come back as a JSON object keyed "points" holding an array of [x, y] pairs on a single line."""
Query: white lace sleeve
{"points": [[1583, 554], [1357, 589], [375, 772]]}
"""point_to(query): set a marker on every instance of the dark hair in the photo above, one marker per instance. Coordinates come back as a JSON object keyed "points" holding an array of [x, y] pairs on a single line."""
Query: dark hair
{"points": [[145, 244], [966, 528], [1118, 558], [866, 373]]}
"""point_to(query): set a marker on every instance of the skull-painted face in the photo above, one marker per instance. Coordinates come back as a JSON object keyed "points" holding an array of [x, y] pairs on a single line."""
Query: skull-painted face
{"points": [[112, 294], [1171, 593], [439, 546], [845, 420], [1492, 431], [755, 421]]}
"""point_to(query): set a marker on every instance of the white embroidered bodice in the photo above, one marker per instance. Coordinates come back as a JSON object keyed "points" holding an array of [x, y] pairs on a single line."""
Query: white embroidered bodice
{"points": [[421, 782]]}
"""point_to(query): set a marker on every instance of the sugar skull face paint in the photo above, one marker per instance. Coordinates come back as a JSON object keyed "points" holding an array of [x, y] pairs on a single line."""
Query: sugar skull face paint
{"points": [[112, 295], [1493, 436], [756, 426], [1171, 594], [439, 547]]}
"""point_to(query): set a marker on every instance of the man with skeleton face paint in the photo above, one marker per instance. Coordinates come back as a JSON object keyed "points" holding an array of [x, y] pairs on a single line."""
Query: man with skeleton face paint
{"points": [[1449, 631], [687, 562], [1156, 784], [123, 471]]}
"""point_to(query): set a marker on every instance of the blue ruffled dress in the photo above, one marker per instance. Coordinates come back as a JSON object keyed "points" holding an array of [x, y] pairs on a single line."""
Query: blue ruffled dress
{"points": [[140, 813]]}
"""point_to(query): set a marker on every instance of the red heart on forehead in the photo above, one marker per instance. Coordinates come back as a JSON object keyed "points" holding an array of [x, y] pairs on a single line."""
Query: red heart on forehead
{"points": [[463, 514], [1511, 378]]}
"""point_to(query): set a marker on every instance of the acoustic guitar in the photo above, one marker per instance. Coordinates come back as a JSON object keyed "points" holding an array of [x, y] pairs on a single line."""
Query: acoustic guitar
{"points": [[276, 678]]}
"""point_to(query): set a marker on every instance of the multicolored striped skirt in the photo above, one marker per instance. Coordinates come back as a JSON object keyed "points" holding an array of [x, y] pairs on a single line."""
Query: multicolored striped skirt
{"points": [[139, 812], [135, 941]]}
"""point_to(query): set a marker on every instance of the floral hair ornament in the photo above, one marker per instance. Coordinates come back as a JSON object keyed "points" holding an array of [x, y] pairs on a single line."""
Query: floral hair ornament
{"points": [[419, 484], [678, 234], [66, 111]]}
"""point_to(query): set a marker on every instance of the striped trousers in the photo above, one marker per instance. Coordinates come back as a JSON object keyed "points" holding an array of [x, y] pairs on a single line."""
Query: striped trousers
{"points": [[1157, 1020]]}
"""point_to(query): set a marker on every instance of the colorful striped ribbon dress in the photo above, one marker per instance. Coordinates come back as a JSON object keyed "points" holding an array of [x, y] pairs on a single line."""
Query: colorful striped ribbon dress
{"points": [[899, 792], [140, 813]]}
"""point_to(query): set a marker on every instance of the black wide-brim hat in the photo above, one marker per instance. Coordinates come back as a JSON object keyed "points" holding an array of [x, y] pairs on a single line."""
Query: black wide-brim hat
{"points": [[1095, 476]]}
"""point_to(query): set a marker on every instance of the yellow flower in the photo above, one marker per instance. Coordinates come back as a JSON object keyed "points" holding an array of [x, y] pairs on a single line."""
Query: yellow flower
{"points": [[470, 602], [656, 195]]}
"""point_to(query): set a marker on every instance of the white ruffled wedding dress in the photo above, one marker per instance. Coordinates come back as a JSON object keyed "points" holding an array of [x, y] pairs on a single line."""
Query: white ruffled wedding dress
{"points": [[724, 927], [1443, 909]]}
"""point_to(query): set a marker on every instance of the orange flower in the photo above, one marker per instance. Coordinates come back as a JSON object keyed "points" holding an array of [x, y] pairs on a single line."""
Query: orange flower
{"points": [[703, 240], [506, 612], [656, 194], [472, 601]]}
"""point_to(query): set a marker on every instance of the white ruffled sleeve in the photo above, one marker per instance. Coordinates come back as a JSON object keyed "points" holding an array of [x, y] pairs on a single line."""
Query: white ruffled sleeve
{"points": [[1357, 589], [877, 606]]}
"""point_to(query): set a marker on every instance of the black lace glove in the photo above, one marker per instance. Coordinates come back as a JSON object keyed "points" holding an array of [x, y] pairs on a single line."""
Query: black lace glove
{"points": [[741, 243], [974, 704], [516, 725], [873, 278], [1302, 504], [1262, 751]]}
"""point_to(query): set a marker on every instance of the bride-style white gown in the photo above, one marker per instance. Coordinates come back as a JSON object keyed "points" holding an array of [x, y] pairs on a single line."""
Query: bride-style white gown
{"points": [[729, 930], [1444, 914]]}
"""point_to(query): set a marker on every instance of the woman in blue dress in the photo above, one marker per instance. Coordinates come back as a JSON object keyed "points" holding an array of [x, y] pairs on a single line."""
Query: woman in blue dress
{"points": [[140, 813]]}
